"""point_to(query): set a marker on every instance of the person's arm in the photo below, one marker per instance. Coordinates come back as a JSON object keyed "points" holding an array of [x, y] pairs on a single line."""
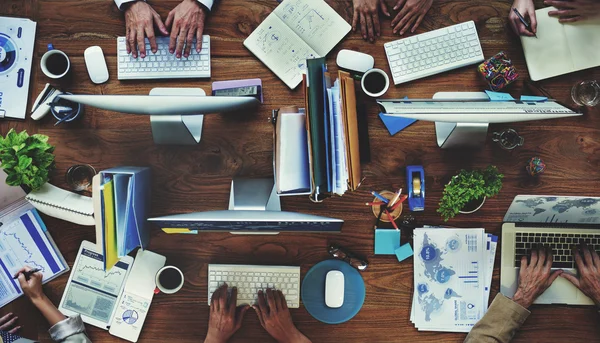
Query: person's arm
{"points": [[225, 318], [574, 10], [505, 316], [527, 10], [63, 329], [366, 12], [410, 16], [275, 317]]}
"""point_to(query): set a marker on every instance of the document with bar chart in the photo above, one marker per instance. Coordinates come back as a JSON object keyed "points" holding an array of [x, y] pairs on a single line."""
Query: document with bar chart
{"points": [[452, 277]]}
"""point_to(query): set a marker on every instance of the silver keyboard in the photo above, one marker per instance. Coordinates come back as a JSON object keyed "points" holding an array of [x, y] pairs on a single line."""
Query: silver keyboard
{"points": [[249, 279], [163, 64], [434, 52]]}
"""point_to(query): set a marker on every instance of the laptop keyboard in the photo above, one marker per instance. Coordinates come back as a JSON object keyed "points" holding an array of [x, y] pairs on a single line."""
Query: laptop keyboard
{"points": [[561, 244]]}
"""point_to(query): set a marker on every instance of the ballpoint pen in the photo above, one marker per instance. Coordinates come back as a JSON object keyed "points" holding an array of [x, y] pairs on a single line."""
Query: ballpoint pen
{"points": [[27, 274], [380, 197], [527, 26]]}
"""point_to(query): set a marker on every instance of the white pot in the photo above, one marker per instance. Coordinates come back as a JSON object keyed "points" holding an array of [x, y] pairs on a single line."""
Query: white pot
{"points": [[475, 210]]}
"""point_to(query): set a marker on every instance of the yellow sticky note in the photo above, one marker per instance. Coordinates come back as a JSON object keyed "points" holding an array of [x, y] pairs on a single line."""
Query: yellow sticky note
{"points": [[171, 231], [111, 253]]}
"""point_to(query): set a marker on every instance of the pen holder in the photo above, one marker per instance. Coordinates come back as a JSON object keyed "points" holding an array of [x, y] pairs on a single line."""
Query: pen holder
{"points": [[498, 71], [395, 214]]}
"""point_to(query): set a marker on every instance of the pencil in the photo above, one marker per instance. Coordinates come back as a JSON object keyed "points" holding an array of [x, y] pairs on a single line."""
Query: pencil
{"points": [[395, 198], [527, 26], [399, 202], [380, 197], [375, 203], [27, 274], [391, 219]]}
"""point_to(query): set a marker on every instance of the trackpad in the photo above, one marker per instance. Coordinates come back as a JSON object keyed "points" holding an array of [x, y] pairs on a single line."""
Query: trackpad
{"points": [[561, 291]]}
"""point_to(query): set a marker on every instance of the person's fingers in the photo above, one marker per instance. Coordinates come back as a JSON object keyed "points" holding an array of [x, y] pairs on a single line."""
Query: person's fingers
{"points": [[259, 314], [5, 318], [141, 43], [279, 299], [399, 4], [404, 15], [355, 19], [533, 21], [15, 330], [408, 24], [199, 39], [173, 38], [541, 258], [559, 4], [262, 303], [8, 325], [595, 257], [587, 256], [572, 278], [271, 300], [189, 40], [22, 270], [384, 8], [553, 277], [524, 263], [376, 25], [512, 21], [159, 23], [533, 260], [223, 298], [240, 312], [169, 20], [418, 22], [22, 281], [149, 30], [233, 299], [571, 20], [522, 30], [214, 301], [363, 26], [562, 13], [579, 260], [131, 42], [180, 42], [370, 31]]}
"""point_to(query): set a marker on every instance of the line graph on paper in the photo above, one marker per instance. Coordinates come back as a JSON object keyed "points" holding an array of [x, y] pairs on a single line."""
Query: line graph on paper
{"points": [[91, 272]]}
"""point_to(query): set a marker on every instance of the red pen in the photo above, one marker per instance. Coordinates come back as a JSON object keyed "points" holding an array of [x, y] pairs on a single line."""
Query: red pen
{"points": [[376, 203], [391, 219]]}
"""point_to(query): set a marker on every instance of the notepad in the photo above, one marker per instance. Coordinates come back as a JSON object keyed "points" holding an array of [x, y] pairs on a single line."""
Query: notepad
{"points": [[295, 31], [561, 48]]}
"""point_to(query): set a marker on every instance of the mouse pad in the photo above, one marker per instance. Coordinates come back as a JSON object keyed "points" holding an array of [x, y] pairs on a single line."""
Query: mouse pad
{"points": [[313, 292]]}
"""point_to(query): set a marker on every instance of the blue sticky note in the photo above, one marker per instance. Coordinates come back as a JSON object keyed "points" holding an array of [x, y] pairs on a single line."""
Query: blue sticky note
{"points": [[386, 241], [497, 96], [533, 98], [395, 124], [403, 252]]}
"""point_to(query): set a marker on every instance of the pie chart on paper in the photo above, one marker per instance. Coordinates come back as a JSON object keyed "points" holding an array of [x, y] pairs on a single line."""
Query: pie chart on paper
{"points": [[130, 317]]}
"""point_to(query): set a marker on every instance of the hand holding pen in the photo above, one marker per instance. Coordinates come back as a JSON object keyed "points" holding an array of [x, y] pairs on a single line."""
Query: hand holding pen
{"points": [[30, 281], [523, 10]]}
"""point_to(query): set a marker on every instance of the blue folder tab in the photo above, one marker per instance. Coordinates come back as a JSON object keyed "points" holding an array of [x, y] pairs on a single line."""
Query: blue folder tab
{"points": [[395, 124], [386, 241], [533, 98], [498, 96]]}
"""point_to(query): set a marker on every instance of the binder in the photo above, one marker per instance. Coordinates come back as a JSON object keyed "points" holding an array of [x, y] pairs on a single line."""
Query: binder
{"points": [[122, 197]]}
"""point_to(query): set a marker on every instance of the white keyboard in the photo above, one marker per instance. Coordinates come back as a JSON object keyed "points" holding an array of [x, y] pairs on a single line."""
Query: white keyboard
{"points": [[163, 64], [250, 278], [434, 52]]}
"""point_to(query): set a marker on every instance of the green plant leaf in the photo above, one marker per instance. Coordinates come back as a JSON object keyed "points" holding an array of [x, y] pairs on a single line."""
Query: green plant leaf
{"points": [[27, 160]]}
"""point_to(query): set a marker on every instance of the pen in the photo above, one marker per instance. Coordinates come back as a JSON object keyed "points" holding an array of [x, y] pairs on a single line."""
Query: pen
{"points": [[380, 197], [399, 202], [395, 198], [27, 274], [375, 203], [527, 26], [391, 219]]}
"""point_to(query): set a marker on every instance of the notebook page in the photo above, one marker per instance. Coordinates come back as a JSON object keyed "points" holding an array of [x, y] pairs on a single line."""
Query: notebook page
{"points": [[547, 55], [280, 49], [315, 22], [584, 43]]}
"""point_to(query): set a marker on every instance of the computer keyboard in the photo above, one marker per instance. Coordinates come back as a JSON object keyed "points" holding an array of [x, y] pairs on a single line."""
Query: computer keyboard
{"points": [[561, 244], [249, 279], [434, 52], [163, 64]]}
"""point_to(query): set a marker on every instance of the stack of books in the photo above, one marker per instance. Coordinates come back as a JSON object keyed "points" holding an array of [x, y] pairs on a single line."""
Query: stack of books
{"points": [[452, 275]]}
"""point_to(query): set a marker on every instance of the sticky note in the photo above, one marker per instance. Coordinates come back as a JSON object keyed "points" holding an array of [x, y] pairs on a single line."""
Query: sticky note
{"points": [[179, 231], [395, 124], [403, 252], [386, 241], [533, 98], [497, 96]]}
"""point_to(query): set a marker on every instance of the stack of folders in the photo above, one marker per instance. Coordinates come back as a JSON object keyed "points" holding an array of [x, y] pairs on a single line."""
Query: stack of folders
{"points": [[452, 274], [331, 122], [121, 196]]}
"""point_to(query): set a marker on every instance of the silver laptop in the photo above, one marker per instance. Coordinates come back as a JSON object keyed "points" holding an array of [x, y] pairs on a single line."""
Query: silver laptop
{"points": [[557, 221]]}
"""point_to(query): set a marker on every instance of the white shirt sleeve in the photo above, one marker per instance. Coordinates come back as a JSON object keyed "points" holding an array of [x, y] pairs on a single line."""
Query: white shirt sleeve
{"points": [[207, 3], [120, 3]]}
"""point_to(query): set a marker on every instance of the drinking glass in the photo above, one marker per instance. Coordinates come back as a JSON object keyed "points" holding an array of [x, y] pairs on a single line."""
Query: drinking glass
{"points": [[586, 93]]}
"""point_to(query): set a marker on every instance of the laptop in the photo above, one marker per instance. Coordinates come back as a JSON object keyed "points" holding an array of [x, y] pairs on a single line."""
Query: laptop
{"points": [[558, 221]]}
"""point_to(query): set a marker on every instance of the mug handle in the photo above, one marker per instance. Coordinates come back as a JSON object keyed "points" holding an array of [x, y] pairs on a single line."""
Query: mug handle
{"points": [[50, 46]]}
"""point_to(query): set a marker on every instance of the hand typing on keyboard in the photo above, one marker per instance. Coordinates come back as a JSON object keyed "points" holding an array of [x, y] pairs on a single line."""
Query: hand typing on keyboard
{"points": [[535, 276], [588, 266], [275, 317], [225, 318], [366, 12], [410, 16], [139, 23], [186, 22]]}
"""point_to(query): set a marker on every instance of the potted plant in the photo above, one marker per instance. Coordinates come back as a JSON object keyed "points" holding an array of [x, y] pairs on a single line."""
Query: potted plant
{"points": [[27, 160], [468, 190]]}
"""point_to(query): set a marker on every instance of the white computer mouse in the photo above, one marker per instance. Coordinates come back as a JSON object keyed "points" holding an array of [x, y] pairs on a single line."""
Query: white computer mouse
{"points": [[334, 289], [96, 64], [355, 61]]}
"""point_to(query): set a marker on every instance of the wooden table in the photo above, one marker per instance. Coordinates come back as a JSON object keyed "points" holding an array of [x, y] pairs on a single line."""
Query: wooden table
{"points": [[197, 178]]}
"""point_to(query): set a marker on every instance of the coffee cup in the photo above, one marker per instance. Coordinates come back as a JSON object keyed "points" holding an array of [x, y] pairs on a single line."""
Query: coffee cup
{"points": [[375, 82], [169, 280], [55, 63]]}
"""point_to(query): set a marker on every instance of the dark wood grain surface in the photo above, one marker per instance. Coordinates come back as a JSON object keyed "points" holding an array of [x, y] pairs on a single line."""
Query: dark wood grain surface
{"points": [[197, 178]]}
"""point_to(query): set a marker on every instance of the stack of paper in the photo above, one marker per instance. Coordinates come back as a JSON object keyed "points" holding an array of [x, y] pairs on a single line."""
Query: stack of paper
{"points": [[452, 274]]}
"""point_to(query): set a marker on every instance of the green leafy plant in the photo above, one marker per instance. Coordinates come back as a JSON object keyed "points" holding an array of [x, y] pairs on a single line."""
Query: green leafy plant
{"points": [[469, 186], [27, 160]]}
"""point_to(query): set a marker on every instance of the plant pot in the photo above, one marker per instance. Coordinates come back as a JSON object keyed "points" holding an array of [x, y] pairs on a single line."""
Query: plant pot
{"points": [[472, 206]]}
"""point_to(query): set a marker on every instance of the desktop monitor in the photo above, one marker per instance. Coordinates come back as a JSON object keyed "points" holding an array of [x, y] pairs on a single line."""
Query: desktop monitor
{"points": [[254, 208]]}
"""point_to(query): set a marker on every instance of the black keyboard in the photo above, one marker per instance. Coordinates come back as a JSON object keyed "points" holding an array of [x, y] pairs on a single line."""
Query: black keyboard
{"points": [[561, 244]]}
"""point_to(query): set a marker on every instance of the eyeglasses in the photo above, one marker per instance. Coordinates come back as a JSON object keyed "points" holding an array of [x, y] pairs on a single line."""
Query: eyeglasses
{"points": [[339, 253]]}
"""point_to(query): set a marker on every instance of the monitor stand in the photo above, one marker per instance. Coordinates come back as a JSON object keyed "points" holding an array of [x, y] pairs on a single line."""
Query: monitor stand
{"points": [[461, 135], [253, 195], [177, 129]]}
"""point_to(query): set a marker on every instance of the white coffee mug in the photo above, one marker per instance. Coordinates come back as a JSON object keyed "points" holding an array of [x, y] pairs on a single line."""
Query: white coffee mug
{"points": [[160, 287], [44, 63], [379, 92]]}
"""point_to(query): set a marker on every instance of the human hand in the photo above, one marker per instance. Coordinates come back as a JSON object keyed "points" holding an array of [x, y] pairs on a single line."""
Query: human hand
{"points": [[589, 272], [186, 21], [139, 23], [527, 10], [367, 12], [535, 276], [9, 323], [275, 317], [32, 287], [410, 16], [225, 319], [574, 10]]}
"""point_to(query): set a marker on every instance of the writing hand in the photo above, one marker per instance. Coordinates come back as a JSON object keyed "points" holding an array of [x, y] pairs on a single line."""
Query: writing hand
{"points": [[32, 287], [527, 10], [139, 23], [535, 276], [225, 319], [574, 10], [367, 13], [275, 317], [186, 22], [410, 16], [588, 265]]}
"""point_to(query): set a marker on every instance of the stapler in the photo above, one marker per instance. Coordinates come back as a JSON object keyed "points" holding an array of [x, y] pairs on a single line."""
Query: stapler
{"points": [[415, 179], [41, 106]]}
